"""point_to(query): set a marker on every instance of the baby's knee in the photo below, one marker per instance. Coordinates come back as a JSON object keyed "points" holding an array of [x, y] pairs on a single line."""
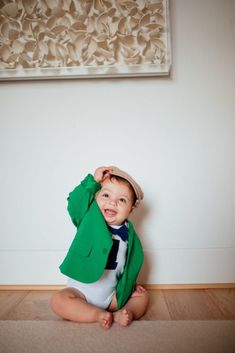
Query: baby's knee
{"points": [[143, 293], [145, 296], [58, 301]]}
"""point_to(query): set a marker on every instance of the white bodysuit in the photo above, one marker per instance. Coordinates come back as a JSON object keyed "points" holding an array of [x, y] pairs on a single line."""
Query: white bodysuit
{"points": [[100, 293]]}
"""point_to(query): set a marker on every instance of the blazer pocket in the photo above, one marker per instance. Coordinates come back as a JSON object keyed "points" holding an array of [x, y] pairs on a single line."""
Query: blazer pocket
{"points": [[83, 249]]}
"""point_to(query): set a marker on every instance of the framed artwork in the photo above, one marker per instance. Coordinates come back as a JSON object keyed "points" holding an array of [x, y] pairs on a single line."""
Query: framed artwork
{"points": [[45, 39]]}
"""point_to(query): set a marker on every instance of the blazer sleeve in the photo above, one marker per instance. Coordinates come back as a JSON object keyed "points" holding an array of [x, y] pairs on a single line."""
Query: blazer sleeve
{"points": [[81, 197]]}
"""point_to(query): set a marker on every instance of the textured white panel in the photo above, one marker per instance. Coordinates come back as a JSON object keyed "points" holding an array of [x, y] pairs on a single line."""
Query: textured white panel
{"points": [[164, 266]]}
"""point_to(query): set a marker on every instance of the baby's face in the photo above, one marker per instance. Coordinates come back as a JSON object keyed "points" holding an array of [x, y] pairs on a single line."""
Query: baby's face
{"points": [[115, 201]]}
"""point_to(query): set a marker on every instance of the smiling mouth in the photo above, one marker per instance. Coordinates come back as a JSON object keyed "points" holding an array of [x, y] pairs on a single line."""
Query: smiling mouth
{"points": [[109, 212]]}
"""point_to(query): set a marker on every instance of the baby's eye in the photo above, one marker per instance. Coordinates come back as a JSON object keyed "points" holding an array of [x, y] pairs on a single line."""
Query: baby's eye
{"points": [[106, 195], [122, 200]]}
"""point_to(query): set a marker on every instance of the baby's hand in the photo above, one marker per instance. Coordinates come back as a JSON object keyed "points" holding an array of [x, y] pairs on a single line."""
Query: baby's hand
{"points": [[101, 174], [138, 291]]}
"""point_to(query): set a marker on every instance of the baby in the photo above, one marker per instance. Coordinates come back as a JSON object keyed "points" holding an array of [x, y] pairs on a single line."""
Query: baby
{"points": [[106, 255]]}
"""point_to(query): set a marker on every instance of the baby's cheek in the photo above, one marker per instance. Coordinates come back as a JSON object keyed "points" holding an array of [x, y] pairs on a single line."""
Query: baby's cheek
{"points": [[99, 203]]}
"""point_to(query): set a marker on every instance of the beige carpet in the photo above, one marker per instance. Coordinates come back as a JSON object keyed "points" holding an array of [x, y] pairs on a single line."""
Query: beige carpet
{"points": [[140, 337]]}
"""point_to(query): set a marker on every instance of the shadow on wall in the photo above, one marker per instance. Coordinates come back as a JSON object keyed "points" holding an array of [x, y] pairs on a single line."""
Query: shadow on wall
{"points": [[138, 218]]}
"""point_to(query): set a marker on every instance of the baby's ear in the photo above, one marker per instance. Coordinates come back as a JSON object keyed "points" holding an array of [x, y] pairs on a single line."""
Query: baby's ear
{"points": [[132, 208]]}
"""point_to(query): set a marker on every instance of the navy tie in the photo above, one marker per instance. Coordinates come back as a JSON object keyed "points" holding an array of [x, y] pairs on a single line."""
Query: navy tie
{"points": [[122, 231]]}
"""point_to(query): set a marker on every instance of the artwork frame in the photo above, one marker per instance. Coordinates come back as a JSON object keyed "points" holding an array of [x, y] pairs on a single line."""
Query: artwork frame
{"points": [[57, 39]]}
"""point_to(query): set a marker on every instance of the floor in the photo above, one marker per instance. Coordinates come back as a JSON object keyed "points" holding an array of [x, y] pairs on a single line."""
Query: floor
{"points": [[184, 304]]}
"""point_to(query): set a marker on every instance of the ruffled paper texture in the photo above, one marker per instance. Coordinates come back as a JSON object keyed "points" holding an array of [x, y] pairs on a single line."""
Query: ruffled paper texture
{"points": [[70, 33]]}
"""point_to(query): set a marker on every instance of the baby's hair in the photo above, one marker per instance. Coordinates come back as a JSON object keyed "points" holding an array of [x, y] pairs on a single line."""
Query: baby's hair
{"points": [[122, 180]]}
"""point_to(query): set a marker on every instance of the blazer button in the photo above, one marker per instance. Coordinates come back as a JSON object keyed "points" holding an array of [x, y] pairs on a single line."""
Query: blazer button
{"points": [[105, 250]]}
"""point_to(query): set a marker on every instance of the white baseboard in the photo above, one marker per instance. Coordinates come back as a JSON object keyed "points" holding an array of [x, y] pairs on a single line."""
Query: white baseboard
{"points": [[161, 267], [189, 266], [44, 287]]}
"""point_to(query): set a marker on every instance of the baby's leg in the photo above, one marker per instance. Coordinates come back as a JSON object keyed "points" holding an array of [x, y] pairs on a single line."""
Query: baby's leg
{"points": [[134, 308], [71, 304]]}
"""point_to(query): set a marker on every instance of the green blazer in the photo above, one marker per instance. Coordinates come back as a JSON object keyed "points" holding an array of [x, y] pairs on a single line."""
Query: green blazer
{"points": [[88, 254]]}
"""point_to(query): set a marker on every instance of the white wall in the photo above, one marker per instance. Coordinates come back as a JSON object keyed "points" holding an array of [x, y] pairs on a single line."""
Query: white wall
{"points": [[175, 135]]}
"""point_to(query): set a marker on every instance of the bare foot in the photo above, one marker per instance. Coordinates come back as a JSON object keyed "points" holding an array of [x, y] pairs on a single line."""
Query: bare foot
{"points": [[123, 317], [105, 319]]}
